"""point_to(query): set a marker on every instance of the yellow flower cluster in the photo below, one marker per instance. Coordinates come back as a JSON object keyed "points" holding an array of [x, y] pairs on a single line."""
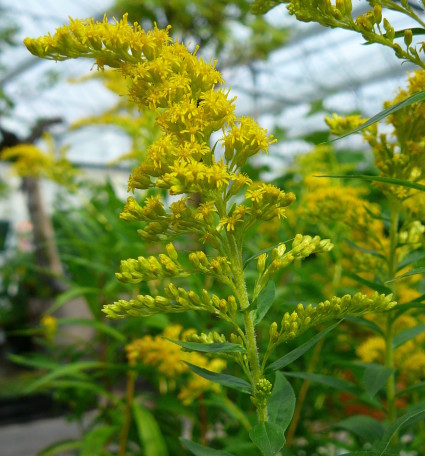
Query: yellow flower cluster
{"points": [[49, 325], [182, 91], [336, 204], [31, 161], [169, 360]]}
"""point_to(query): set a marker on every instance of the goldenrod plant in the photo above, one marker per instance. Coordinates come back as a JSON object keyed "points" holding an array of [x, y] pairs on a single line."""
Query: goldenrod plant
{"points": [[198, 160]]}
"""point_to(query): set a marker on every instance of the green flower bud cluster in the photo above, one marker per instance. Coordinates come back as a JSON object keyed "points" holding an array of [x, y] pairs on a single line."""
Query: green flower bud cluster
{"points": [[262, 392], [302, 247], [176, 300], [144, 269], [368, 24], [210, 338], [303, 318], [218, 267]]}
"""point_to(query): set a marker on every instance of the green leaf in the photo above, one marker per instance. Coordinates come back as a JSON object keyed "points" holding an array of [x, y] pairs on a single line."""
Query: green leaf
{"points": [[223, 379], [332, 382], [375, 376], [98, 325], [200, 450], [411, 389], [366, 323], [60, 448], [404, 336], [224, 347], [299, 351], [407, 274], [281, 403], [385, 180], [364, 427], [265, 301], [150, 436], [400, 34], [268, 437], [415, 98], [68, 295], [62, 371], [362, 249], [96, 439], [373, 285], [412, 257], [409, 419]]}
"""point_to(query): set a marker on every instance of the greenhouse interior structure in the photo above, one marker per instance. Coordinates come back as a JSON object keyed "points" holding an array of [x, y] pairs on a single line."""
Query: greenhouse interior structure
{"points": [[212, 228]]}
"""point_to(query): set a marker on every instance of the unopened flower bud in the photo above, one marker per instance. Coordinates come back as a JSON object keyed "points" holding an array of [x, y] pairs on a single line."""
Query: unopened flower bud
{"points": [[171, 251]]}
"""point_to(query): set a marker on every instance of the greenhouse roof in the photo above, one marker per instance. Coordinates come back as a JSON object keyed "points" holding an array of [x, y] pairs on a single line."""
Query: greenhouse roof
{"points": [[322, 67]]}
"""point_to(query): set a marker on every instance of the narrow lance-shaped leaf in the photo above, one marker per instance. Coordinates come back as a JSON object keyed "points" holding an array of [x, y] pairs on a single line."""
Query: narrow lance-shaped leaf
{"points": [[408, 334], [223, 379], [415, 98], [222, 347], [385, 180], [408, 274], [200, 450], [299, 351], [265, 301], [150, 436]]}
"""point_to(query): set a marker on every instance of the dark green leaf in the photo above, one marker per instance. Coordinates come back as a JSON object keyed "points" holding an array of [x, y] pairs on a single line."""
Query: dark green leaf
{"points": [[364, 427], [409, 419], [281, 403], [385, 180], [366, 323], [150, 435], [411, 389], [224, 347], [407, 274], [373, 285], [200, 450], [223, 379], [415, 98], [96, 439], [265, 301], [404, 336], [375, 376], [332, 382], [299, 351], [268, 437]]}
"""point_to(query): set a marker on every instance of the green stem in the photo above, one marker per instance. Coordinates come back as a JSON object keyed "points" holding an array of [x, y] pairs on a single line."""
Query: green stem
{"points": [[129, 395], [389, 330], [248, 316]]}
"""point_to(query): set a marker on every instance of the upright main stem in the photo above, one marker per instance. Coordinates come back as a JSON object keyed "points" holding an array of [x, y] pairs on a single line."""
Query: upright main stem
{"points": [[248, 316]]}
